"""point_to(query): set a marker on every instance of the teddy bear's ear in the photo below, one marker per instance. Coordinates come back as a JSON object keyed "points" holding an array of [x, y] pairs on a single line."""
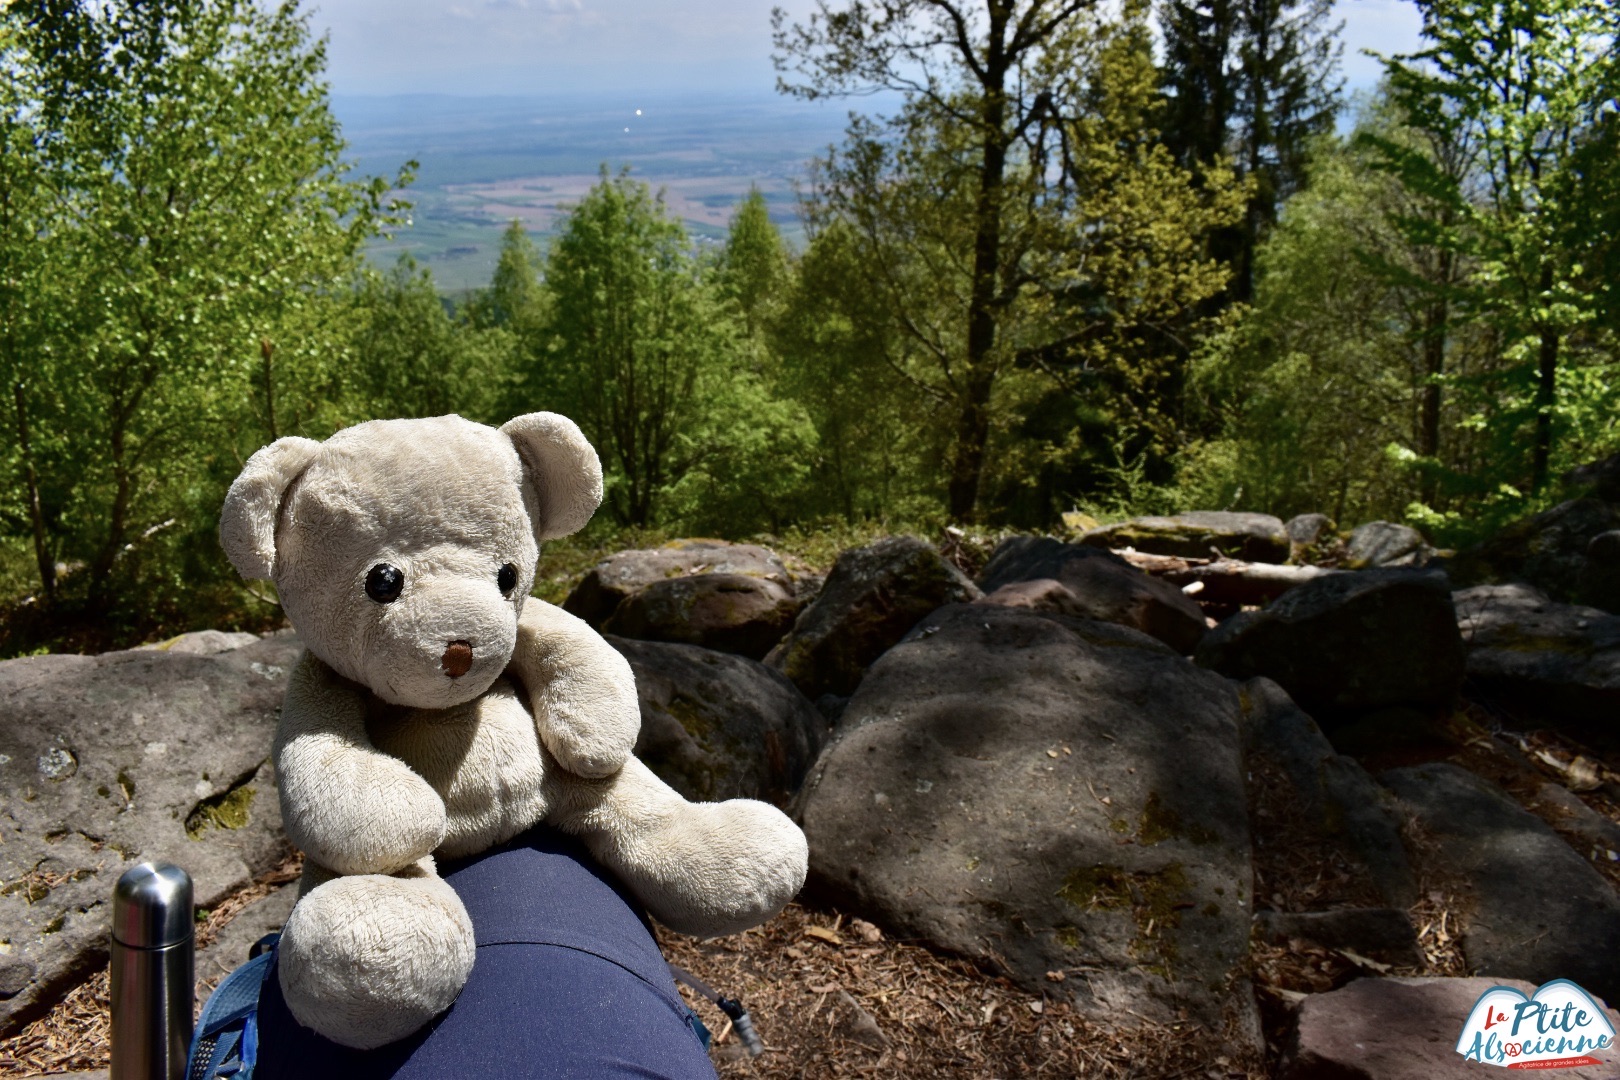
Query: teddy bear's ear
{"points": [[247, 524], [561, 469]]}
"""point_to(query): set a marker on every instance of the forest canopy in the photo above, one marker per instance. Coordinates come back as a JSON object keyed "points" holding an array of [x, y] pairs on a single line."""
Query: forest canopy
{"points": [[1114, 258]]}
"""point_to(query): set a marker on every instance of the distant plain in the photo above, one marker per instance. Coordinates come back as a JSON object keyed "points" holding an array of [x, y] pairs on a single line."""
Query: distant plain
{"points": [[485, 161]]}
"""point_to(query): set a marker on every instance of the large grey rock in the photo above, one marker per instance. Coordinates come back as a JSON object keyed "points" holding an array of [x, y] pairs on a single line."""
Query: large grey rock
{"points": [[1045, 793], [1530, 907], [1599, 581], [1588, 831], [1550, 664], [1331, 793], [733, 613], [1385, 543], [1349, 643], [626, 573], [1307, 530], [1103, 585], [1250, 537], [872, 597], [109, 760], [1550, 551], [203, 642], [718, 726], [1400, 1029]]}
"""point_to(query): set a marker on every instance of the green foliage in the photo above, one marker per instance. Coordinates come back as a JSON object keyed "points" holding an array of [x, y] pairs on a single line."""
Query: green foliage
{"points": [[1529, 86], [642, 356], [189, 210]]}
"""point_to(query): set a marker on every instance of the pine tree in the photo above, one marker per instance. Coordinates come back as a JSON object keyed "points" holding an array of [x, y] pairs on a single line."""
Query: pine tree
{"points": [[1255, 79]]}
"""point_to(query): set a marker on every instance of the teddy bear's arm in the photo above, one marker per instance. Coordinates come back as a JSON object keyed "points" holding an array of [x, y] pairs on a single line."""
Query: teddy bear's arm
{"points": [[580, 688], [344, 803]]}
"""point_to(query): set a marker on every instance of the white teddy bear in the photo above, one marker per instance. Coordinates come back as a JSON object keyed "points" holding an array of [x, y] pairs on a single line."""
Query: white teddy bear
{"points": [[439, 709]]}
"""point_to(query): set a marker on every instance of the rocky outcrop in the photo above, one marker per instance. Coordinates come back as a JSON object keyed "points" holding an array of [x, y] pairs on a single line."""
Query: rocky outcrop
{"points": [[1325, 793], [1000, 787], [717, 726], [871, 598], [1529, 906], [1557, 551], [1102, 586], [1346, 644], [1198, 534], [623, 574], [732, 613], [118, 758], [1399, 1029], [1384, 543], [1545, 663]]}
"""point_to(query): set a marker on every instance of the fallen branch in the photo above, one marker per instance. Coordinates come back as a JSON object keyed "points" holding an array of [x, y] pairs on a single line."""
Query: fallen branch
{"points": [[1226, 581]]}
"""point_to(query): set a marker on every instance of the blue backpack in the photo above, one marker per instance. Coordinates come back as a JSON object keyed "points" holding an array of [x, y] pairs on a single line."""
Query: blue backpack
{"points": [[226, 1042]]}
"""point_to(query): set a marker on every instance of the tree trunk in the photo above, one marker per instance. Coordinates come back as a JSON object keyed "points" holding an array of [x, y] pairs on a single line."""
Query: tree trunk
{"points": [[36, 515], [973, 422], [1435, 329], [1546, 394]]}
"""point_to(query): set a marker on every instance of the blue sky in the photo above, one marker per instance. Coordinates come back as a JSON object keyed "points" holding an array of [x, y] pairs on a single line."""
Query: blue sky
{"points": [[546, 47]]}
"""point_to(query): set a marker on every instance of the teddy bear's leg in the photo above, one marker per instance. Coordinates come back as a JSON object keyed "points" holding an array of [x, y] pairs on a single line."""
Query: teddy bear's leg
{"points": [[367, 959], [700, 868]]}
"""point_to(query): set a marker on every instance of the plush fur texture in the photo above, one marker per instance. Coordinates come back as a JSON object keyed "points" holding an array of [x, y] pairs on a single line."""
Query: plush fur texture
{"points": [[452, 715]]}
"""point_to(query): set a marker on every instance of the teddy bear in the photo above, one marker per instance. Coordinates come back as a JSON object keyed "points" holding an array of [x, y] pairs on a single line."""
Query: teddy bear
{"points": [[440, 710]]}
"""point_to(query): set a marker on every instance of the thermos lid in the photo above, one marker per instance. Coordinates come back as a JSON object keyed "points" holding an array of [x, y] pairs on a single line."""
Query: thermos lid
{"points": [[152, 906]]}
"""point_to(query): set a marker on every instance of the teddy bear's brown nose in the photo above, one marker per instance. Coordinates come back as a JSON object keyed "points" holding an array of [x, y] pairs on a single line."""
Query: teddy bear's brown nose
{"points": [[457, 659]]}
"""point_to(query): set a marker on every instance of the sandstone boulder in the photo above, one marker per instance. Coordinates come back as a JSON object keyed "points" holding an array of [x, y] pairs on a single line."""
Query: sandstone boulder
{"points": [[1044, 794], [1549, 664], [1549, 551], [1306, 531], [1385, 543], [114, 759], [718, 726], [1341, 810], [626, 573], [1344, 644], [1400, 1029], [1197, 534], [733, 613], [1102, 585], [871, 598], [203, 642], [1528, 905]]}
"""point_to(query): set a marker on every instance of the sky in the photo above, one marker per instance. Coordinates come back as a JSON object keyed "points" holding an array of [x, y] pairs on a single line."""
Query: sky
{"points": [[552, 47]]}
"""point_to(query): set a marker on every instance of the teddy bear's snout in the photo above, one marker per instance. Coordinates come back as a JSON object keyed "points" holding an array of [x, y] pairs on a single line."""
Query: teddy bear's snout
{"points": [[458, 658]]}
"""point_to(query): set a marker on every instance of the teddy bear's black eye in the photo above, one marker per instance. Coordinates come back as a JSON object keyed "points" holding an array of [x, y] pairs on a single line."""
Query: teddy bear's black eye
{"points": [[384, 583], [506, 578]]}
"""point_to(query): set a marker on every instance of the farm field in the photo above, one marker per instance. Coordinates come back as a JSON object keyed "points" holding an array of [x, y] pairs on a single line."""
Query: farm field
{"points": [[484, 161]]}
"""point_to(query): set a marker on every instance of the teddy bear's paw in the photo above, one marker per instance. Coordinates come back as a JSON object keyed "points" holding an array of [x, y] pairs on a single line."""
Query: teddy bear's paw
{"points": [[720, 868], [369, 959]]}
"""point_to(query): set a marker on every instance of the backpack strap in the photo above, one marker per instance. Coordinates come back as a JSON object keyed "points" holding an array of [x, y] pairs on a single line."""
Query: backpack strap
{"points": [[227, 1040]]}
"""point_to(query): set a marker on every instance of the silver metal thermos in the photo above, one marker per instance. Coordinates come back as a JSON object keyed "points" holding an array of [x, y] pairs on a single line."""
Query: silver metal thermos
{"points": [[152, 963]]}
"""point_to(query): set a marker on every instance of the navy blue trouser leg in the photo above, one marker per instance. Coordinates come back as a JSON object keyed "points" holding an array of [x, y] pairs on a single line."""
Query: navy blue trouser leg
{"points": [[568, 982]]}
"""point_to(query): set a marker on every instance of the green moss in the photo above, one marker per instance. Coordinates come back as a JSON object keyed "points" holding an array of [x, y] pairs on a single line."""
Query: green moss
{"points": [[1159, 823], [225, 811], [1097, 887], [1120, 825], [1156, 899], [1068, 937]]}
